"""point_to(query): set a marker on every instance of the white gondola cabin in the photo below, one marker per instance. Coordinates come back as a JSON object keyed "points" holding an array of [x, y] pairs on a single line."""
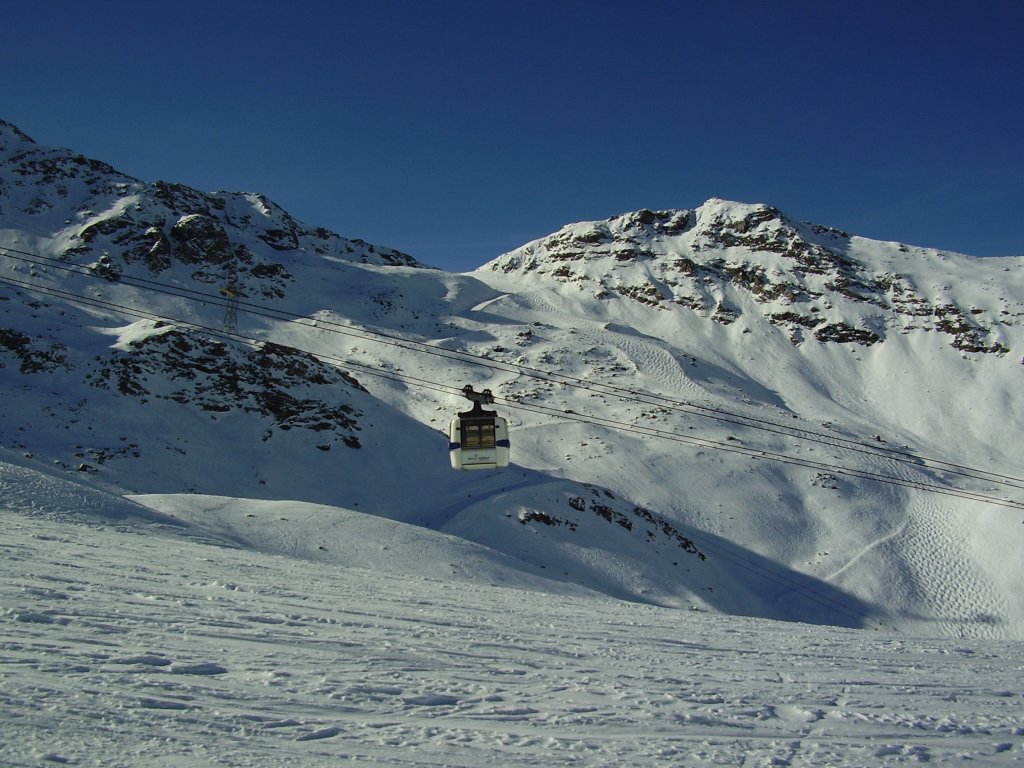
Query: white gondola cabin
{"points": [[478, 439]]}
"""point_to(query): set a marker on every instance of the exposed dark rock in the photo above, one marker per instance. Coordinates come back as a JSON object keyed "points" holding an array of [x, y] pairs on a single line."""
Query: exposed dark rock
{"points": [[967, 335], [290, 388], [200, 239], [104, 267], [32, 357], [846, 334], [646, 293]]}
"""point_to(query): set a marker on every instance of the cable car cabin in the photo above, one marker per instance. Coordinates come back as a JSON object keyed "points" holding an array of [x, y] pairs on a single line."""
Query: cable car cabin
{"points": [[478, 439]]}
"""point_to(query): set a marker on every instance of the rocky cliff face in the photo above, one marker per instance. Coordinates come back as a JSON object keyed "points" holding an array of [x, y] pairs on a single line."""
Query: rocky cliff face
{"points": [[286, 388], [63, 215], [92, 214], [815, 282]]}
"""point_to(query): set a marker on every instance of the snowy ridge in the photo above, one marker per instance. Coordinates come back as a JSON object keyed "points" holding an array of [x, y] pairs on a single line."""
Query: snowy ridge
{"points": [[786, 355], [67, 205], [723, 258], [251, 543], [728, 308]]}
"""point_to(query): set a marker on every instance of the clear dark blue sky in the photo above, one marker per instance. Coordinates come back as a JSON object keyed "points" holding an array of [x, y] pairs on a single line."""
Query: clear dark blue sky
{"points": [[456, 130]]}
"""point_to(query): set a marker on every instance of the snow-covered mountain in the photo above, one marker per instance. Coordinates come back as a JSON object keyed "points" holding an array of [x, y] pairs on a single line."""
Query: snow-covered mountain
{"points": [[718, 409]]}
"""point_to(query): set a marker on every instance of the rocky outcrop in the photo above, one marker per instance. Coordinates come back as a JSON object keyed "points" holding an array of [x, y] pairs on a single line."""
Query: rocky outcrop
{"points": [[723, 257], [105, 218], [287, 388]]}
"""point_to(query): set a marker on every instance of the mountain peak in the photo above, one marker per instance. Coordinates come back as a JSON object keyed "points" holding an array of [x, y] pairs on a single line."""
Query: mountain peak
{"points": [[725, 260], [10, 134], [89, 212], [646, 235]]}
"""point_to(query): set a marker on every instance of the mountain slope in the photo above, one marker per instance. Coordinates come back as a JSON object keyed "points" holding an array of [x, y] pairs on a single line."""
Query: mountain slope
{"points": [[134, 638], [705, 404], [747, 317]]}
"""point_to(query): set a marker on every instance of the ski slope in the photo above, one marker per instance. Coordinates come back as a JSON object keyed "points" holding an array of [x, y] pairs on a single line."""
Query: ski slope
{"points": [[198, 631]]}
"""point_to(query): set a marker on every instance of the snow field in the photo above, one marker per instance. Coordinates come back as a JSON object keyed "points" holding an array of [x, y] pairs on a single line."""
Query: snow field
{"points": [[128, 642]]}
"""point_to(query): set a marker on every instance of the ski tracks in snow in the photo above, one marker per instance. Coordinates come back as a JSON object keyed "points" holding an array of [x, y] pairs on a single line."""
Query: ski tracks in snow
{"points": [[651, 361], [121, 648], [935, 545]]}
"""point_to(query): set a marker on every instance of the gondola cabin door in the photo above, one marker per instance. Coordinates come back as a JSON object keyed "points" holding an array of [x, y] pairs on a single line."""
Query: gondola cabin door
{"points": [[478, 439]]}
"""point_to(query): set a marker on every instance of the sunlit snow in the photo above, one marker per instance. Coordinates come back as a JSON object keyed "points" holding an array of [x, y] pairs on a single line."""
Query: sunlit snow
{"points": [[765, 504], [130, 638]]}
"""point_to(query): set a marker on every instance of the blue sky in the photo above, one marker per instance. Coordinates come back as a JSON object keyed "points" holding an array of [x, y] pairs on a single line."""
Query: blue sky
{"points": [[457, 130]]}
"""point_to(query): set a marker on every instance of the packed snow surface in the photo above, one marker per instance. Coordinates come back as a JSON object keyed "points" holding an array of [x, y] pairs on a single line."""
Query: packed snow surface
{"points": [[130, 636]]}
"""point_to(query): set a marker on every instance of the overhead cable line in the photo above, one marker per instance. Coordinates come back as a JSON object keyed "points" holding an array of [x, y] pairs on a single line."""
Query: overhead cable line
{"points": [[550, 377], [219, 333], [600, 388], [547, 376], [590, 420], [810, 590], [755, 453]]}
